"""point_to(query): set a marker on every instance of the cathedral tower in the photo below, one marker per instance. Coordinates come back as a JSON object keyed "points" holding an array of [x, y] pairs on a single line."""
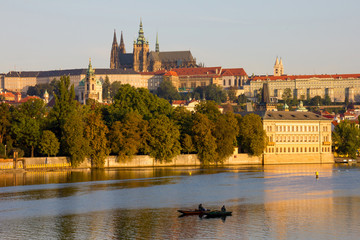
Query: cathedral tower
{"points": [[114, 58], [140, 52], [278, 67], [122, 45], [157, 44]]}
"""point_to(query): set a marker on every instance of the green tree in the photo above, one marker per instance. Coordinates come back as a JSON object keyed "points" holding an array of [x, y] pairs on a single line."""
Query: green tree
{"points": [[252, 136], [346, 139], [106, 88], [5, 121], [315, 101], [164, 138], [167, 91], [205, 142], [28, 121], [209, 108], [74, 143], [95, 133], [184, 120], [225, 132], [287, 96], [231, 92], [49, 145], [327, 100], [129, 137], [114, 88], [187, 144], [211, 92], [241, 98]]}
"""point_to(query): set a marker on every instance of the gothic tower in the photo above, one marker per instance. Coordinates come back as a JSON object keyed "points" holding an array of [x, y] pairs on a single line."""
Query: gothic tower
{"points": [[278, 67], [114, 58], [122, 45], [140, 52], [157, 44]]}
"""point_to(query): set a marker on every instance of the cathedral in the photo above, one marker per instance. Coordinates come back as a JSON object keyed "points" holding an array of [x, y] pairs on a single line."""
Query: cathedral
{"points": [[144, 60]]}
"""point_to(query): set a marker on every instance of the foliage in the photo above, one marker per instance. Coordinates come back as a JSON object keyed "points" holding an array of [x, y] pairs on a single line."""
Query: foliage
{"points": [[5, 121], [327, 100], [241, 98], [184, 120], [106, 91], [95, 133], [128, 137], [187, 145], [225, 132], [28, 120], [164, 138], [140, 100], [167, 91], [346, 139], [252, 136], [114, 88], [205, 142], [209, 108], [231, 92], [315, 101], [49, 145], [211, 92], [73, 142], [287, 96]]}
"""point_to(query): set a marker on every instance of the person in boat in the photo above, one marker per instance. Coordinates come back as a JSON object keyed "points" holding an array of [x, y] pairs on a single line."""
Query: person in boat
{"points": [[201, 208], [223, 209]]}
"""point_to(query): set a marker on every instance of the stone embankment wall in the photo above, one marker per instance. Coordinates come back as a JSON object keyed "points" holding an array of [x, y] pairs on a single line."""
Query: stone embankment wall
{"points": [[187, 160]]}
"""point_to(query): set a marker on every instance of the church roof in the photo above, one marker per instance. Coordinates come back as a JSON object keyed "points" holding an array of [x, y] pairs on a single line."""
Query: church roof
{"points": [[233, 72], [126, 59], [171, 56]]}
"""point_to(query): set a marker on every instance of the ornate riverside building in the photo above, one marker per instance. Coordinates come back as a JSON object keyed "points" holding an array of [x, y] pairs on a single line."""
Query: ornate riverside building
{"points": [[144, 60], [90, 87]]}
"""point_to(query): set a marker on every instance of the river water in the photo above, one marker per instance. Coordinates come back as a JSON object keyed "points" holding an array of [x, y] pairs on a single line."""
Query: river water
{"points": [[268, 202]]}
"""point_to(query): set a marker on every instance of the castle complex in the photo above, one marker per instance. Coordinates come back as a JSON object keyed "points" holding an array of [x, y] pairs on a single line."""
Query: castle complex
{"points": [[144, 60]]}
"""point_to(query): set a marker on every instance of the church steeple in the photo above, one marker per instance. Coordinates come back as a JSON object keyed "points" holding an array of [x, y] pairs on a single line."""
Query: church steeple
{"points": [[114, 59], [278, 67], [90, 71], [122, 45], [141, 39], [157, 43]]}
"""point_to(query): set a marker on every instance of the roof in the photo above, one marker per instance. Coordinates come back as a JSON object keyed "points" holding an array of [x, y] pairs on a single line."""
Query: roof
{"points": [[170, 73], [7, 94], [159, 72], [293, 77], [126, 59], [28, 98], [173, 56], [286, 115], [233, 72], [205, 71]]}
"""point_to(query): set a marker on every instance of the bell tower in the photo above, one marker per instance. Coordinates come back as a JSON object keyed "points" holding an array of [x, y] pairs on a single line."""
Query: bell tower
{"points": [[278, 67], [140, 52]]}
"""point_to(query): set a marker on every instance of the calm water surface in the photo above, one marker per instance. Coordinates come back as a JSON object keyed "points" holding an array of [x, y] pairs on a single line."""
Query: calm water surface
{"points": [[270, 202]]}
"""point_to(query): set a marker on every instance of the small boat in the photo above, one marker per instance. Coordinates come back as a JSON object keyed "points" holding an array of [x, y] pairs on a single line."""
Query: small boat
{"points": [[215, 214], [192, 212]]}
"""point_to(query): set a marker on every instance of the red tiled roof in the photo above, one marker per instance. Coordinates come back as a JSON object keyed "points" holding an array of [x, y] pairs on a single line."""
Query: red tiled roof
{"points": [[179, 102], [205, 71], [28, 98], [7, 95], [233, 72], [171, 73], [293, 77]]}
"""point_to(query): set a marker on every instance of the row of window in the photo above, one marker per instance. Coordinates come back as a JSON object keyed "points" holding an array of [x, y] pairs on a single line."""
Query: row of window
{"points": [[236, 82], [305, 138], [295, 128], [297, 149]]}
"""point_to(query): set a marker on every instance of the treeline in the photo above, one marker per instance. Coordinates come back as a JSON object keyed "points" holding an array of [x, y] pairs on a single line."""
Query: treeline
{"points": [[138, 122]]}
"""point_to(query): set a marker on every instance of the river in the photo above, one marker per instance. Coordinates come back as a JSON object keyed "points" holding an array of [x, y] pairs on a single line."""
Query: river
{"points": [[267, 202]]}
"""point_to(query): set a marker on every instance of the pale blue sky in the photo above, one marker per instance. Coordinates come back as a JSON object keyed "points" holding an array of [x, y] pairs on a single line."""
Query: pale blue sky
{"points": [[311, 36]]}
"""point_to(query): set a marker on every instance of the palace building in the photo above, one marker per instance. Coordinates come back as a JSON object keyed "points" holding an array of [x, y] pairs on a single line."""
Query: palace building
{"points": [[143, 60]]}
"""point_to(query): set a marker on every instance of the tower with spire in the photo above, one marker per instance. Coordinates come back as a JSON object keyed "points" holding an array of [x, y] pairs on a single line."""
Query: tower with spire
{"points": [[90, 87], [114, 58], [122, 45], [157, 44], [140, 51], [278, 67]]}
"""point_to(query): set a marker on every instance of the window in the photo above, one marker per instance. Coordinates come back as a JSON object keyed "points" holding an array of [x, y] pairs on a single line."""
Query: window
{"points": [[224, 82], [93, 87], [229, 82]]}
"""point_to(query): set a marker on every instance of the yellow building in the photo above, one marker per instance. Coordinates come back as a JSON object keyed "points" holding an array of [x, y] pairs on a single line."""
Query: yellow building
{"points": [[297, 137]]}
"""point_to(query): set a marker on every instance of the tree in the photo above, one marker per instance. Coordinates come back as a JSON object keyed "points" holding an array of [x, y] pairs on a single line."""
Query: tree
{"points": [[327, 100], [128, 137], [211, 92], [187, 144], [231, 92], [241, 98], [49, 145], [183, 118], [164, 138], [205, 142], [167, 91], [286, 96], [114, 88], [252, 136], [209, 108], [95, 133], [225, 132], [28, 120], [346, 139], [106, 88], [5, 121], [315, 101], [73, 142]]}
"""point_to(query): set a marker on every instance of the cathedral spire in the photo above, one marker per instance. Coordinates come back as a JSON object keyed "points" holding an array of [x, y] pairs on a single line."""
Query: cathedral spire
{"points": [[122, 45], [114, 40], [157, 43], [141, 39], [114, 60]]}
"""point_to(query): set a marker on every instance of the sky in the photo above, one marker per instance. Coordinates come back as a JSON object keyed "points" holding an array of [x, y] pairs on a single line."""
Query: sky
{"points": [[311, 36]]}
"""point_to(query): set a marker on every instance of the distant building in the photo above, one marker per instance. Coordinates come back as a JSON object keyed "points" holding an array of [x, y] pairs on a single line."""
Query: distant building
{"points": [[90, 87], [143, 60]]}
